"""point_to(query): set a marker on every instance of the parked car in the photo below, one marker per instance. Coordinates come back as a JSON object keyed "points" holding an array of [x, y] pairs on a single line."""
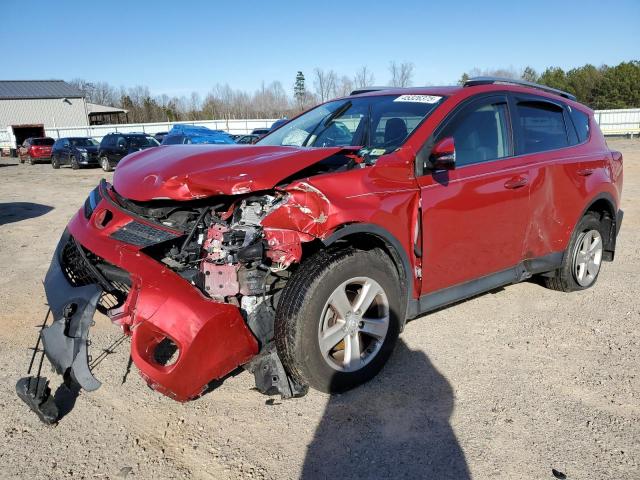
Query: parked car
{"points": [[160, 136], [191, 134], [261, 132], [74, 151], [247, 139], [278, 124], [115, 146], [35, 150], [302, 257]]}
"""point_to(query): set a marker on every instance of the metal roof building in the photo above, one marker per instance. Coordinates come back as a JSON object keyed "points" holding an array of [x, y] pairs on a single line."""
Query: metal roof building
{"points": [[30, 106]]}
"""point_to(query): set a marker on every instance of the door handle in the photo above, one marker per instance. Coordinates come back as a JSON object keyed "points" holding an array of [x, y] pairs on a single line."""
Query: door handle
{"points": [[516, 182], [585, 172]]}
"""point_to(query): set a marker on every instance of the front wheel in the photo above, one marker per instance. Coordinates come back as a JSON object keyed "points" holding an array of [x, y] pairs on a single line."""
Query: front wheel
{"points": [[583, 258], [338, 318], [105, 164], [74, 163]]}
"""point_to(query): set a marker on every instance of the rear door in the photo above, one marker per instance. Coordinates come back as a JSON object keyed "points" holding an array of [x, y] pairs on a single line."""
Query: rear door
{"points": [[544, 141], [474, 217]]}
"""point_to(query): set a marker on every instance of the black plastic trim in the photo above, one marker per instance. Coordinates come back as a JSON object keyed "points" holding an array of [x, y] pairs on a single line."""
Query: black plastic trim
{"points": [[475, 81], [392, 242], [447, 296]]}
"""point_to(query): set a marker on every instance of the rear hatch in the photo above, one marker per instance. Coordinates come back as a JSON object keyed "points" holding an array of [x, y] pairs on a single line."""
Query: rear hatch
{"points": [[41, 147]]}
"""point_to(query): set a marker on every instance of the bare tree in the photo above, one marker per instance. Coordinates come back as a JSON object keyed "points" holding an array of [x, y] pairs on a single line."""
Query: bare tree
{"points": [[363, 78], [401, 74], [344, 86], [325, 84]]}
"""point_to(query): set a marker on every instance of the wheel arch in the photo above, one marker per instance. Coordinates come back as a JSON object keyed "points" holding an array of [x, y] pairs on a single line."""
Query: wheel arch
{"points": [[366, 235], [605, 206]]}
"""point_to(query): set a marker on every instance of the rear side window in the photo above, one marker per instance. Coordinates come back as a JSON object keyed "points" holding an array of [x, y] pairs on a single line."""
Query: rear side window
{"points": [[581, 122], [542, 127]]}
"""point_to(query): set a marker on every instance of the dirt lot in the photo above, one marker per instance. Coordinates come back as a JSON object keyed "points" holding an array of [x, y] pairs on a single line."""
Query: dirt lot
{"points": [[508, 385]]}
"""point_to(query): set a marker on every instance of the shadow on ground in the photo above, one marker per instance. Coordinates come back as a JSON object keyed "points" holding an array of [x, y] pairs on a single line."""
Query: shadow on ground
{"points": [[396, 426], [17, 211]]}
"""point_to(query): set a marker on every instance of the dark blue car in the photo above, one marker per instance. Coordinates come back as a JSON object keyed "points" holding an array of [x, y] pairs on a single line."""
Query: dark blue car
{"points": [[191, 134], [75, 151]]}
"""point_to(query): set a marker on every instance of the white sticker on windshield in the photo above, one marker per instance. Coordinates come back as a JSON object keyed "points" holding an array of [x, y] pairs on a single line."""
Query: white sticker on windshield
{"points": [[418, 98]]}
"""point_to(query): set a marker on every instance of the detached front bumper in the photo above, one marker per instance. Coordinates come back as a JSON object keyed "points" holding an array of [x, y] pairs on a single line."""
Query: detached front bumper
{"points": [[158, 308], [65, 340]]}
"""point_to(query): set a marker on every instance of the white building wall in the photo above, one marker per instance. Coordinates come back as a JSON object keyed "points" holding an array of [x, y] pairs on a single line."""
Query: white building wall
{"points": [[51, 112]]}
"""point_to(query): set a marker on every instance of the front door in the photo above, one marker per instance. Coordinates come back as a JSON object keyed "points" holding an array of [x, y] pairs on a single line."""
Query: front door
{"points": [[475, 216]]}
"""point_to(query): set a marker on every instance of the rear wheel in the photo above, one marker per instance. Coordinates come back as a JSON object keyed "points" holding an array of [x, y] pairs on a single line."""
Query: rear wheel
{"points": [[105, 164], [30, 160], [583, 258], [55, 163], [339, 318]]}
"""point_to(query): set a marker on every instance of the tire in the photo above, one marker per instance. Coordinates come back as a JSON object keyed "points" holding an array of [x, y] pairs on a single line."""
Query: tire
{"points": [[74, 163], [306, 316], [21, 159], [30, 160], [589, 232], [55, 163], [105, 164]]}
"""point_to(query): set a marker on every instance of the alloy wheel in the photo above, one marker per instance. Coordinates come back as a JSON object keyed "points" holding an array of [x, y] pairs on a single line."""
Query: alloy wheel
{"points": [[354, 324], [587, 257]]}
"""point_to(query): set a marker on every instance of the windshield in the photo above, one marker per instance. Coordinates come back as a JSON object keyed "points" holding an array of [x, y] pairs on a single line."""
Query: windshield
{"points": [[380, 123], [140, 141], [83, 142]]}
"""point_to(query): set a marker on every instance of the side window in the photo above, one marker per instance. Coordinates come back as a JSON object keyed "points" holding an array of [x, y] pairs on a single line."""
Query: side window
{"points": [[480, 134], [121, 142], [581, 122], [541, 127], [109, 141]]}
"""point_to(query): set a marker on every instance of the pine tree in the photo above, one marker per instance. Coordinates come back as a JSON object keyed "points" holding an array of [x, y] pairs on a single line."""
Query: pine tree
{"points": [[299, 90]]}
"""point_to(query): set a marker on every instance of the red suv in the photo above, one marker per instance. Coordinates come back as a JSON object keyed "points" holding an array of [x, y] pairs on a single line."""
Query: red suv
{"points": [[302, 257], [35, 150]]}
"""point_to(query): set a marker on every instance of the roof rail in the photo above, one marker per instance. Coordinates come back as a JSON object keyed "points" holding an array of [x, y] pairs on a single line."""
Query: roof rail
{"points": [[472, 82], [360, 91]]}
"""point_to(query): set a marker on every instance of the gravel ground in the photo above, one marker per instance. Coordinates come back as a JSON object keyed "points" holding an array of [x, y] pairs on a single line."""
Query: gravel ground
{"points": [[511, 384]]}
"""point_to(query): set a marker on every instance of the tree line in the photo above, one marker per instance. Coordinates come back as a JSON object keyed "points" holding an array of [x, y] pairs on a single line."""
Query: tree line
{"points": [[224, 102], [603, 87]]}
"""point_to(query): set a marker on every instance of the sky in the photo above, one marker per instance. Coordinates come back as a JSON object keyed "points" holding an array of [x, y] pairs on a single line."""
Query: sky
{"points": [[178, 47]]}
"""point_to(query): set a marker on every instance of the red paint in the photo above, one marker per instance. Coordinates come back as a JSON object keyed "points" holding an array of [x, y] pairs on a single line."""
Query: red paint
{"points": [[475, 220], [186, 172], [212, 336]]}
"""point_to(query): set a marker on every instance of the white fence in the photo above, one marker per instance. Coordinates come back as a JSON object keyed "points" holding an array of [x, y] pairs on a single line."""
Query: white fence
{"points": [[619, 122], [99, 131]]}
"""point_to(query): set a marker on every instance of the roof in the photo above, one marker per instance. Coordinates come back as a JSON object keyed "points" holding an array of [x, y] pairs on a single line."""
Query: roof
{"points": [[22, 89], [96, 109], [374, 91]]}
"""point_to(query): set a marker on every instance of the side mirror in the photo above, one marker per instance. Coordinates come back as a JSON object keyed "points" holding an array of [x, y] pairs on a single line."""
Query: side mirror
{"points": [[443, 155]]}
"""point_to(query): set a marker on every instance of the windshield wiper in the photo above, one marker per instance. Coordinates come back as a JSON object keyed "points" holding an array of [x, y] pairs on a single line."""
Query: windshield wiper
{"points": [[337, 112]]}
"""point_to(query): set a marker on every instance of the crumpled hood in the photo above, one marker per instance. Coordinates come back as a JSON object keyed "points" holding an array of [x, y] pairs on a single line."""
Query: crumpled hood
{"points": [[186, 172]]}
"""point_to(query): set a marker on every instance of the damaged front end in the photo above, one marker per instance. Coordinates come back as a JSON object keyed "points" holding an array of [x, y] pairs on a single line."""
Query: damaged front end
{"points": [[194, 283]]}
